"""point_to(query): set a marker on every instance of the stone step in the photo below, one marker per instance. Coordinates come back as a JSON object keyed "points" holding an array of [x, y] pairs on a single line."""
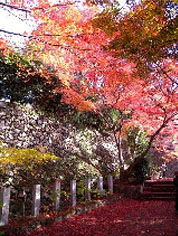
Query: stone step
{"points": [[159, 190], [158, 196], [160, 180], [159, 193], [159, 184], [148, 189], [162, 198], [151, 182]]}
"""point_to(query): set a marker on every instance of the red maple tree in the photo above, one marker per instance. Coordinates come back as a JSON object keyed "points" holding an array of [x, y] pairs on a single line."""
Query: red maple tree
{"points": [[113, 63]]}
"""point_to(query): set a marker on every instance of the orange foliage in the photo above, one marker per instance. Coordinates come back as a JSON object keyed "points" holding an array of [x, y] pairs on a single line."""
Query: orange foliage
{"points": [[67, 43]]}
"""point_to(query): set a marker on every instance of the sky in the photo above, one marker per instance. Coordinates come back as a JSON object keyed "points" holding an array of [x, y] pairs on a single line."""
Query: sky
{"points": [[16, 22], [19, 22]]}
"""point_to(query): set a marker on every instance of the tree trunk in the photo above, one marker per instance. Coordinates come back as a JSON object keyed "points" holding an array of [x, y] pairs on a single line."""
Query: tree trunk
{"points": [[124, 175]]}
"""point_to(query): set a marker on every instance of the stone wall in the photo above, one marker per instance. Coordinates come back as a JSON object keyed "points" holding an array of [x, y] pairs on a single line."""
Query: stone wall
{"points": [[22, 127]]}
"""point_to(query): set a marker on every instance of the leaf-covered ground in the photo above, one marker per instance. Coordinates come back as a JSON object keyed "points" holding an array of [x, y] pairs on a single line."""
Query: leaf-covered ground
{"points": [[125, 217]]}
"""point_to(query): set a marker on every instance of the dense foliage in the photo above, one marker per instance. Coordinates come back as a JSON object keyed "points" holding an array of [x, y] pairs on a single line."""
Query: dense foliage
{"points": [[117, 65], [25, 167], [20, 82]]}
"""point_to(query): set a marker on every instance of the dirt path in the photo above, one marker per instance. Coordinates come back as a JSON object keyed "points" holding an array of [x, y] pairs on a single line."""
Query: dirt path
{"points": [[125, 217]]}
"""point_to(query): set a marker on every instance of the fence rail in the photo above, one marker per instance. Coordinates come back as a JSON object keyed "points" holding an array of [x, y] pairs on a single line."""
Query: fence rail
{"points": [[36, 196]]}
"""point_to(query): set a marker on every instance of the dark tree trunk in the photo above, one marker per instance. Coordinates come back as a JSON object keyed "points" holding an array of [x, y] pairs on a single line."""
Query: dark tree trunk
{"points": [[126, 174]]}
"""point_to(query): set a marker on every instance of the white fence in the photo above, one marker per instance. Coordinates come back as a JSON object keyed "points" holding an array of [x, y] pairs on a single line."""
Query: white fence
{"points": [[36, 196]]}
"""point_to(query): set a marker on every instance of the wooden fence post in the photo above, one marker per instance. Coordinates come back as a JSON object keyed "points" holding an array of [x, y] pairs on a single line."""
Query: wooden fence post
{"points": [[57, 189], [100, 185], [4, 205], [36, 195], [88, 190], [73, 192], [110, 184]]}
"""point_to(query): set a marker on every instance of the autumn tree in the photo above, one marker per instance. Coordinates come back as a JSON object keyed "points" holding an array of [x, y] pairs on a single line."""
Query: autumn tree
{"points": [[112, 61], [146, 36]]}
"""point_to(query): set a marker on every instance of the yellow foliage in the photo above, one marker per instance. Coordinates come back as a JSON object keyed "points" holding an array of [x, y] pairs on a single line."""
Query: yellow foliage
{"points": [[15, 156]]}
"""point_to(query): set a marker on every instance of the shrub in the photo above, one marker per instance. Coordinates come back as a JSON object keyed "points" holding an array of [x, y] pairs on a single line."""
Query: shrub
{"points": [[22, 167]]}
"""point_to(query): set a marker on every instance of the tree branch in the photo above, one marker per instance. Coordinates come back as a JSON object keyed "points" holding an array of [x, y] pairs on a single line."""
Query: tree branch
{"points": [[16, 34], [143, 154], [165, 73], [86, 160], [14, 7], [35, 8], [31, 36]]}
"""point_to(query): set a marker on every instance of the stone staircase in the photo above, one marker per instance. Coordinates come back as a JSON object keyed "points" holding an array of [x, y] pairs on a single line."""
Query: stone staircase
{"points": [[162, 189]]}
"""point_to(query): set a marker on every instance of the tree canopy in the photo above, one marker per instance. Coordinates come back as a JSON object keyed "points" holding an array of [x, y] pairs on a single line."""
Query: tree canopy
{"points": [[123, 59]]}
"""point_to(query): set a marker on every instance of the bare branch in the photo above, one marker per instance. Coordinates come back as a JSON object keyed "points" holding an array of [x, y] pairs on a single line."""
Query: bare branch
{"points": [[14, 7], [16, 34], [35, 8], [165, 73]]}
